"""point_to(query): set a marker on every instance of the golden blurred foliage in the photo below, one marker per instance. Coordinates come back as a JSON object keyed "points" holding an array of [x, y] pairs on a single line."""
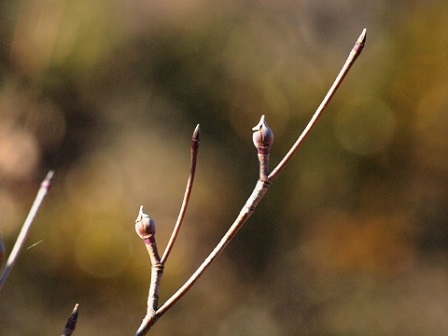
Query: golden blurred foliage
{"points": [[352, 237]]}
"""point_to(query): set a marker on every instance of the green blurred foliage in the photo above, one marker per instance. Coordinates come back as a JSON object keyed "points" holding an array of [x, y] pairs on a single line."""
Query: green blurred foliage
{"points": [[352, 237]]}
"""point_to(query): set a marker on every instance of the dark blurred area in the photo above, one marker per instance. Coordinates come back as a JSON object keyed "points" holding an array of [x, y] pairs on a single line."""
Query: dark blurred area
{"points": [[352, 238]]}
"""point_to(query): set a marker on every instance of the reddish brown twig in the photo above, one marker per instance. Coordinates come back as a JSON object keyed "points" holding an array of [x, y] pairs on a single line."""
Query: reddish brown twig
{"points": [[193, 159]]}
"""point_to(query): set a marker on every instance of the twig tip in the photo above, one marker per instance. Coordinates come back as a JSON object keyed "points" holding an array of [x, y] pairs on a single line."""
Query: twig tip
{"points": [[49, 176], [196, 133], [363, 37], [46, 183], [359, 45]]}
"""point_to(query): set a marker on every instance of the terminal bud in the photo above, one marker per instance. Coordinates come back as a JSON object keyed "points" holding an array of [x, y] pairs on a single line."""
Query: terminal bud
{"points": [[144, 225], [263, 137]]}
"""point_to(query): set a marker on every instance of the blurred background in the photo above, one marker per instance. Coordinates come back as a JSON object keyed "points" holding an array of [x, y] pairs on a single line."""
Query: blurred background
{"points": [[352, 238]]}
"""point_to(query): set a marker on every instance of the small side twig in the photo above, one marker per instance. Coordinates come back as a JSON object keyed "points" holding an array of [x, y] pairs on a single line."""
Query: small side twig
{"points": [[71, 322], [43, 190], [193, 160]]}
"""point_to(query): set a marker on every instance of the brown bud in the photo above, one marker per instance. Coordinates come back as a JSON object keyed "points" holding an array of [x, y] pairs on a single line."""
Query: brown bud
{"points": [[144, 225], [263, 137]]}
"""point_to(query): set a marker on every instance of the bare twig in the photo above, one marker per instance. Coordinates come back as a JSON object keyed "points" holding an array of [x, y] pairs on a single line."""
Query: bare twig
{"points": [[259, 191], [71, 322], [43, 190], [356, 51], [193, 159]]}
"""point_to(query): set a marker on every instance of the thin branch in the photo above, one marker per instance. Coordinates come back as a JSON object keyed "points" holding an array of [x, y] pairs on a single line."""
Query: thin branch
{"points": [[71, 322], [43, 190], [193, 159], [356, 51], [258, 193]]}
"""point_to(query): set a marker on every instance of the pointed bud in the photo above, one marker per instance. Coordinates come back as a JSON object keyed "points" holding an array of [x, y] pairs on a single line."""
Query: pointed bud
{"points": [[263, 137], [196, 133], [144, 225]]}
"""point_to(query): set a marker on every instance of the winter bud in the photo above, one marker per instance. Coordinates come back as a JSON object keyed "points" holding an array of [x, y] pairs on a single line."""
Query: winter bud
{"points": [[144, 225], [263, 137]]}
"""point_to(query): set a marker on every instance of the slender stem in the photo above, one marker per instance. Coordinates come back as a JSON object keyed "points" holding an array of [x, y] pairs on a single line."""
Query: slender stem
{"points": [[43, 190], [356, 51], [183, 209]]}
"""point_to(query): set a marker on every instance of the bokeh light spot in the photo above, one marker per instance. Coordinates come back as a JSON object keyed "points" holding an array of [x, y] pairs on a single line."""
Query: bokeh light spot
{"points": [[19, 153]]}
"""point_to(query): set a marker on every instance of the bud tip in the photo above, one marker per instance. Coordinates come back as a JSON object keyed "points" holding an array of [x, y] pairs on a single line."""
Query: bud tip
{"points": [[263, 137]]}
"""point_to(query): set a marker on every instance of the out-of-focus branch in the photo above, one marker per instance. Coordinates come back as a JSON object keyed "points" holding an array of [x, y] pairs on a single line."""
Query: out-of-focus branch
{"points": [[43, 190], [71, 322]]}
